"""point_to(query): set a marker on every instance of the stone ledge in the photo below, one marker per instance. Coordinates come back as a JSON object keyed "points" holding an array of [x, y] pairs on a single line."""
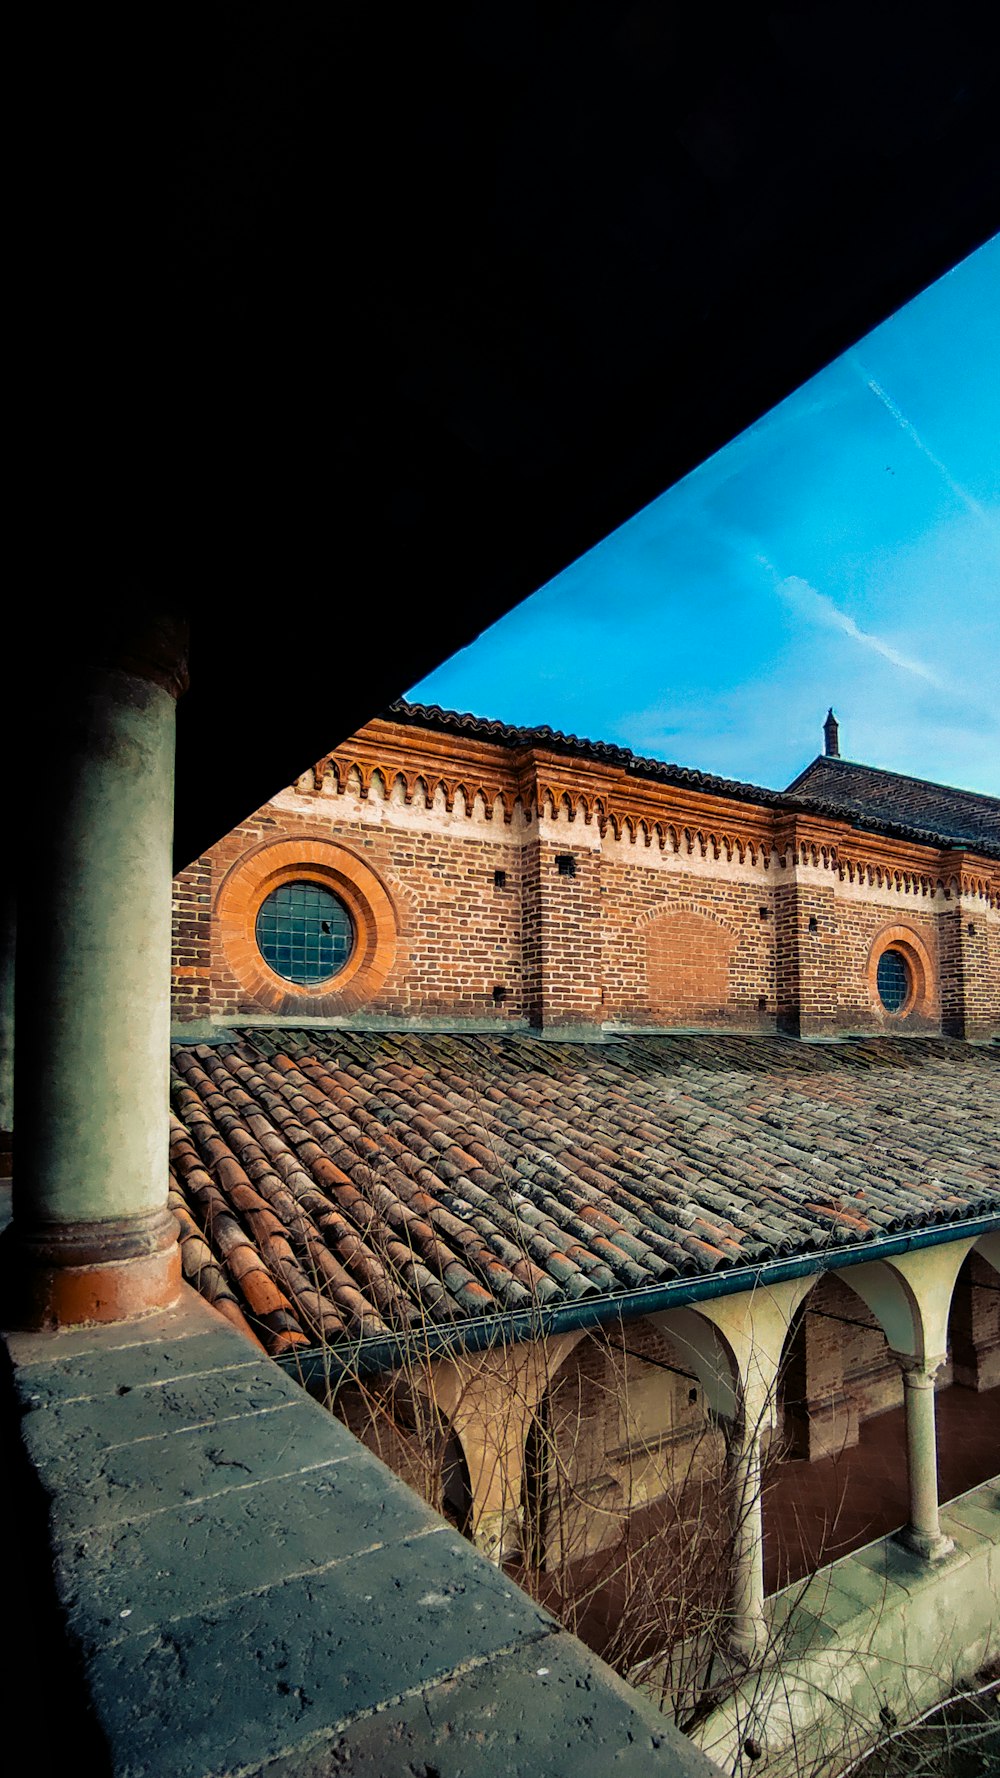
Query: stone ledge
{"points": [[245, 1589], [529, 1713], [878, 1628]]}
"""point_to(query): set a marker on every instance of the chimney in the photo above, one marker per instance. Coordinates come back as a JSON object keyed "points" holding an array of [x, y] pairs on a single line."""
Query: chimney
{"points": [[831, 736]]}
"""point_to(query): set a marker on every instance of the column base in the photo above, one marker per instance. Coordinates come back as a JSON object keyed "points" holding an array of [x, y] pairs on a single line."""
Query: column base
{"points": [[74, 1273], [931, 1547], [498, 1536], [746, 1644]]}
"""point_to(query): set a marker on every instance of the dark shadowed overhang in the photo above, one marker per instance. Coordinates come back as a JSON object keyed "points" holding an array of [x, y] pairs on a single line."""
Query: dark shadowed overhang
{"points": [[359, 326]]}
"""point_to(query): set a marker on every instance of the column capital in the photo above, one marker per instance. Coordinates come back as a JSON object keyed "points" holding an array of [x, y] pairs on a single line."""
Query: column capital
{"points": [[919, 1373], [136, 637], [498, 1535], [153, 647]]}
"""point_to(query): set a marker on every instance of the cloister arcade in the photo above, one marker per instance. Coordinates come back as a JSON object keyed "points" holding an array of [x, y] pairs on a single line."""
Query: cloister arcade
{"points": [[691, 1461]]}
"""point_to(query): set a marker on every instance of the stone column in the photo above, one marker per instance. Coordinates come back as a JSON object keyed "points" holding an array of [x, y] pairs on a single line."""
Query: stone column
{"points": [[8, 935], [92, 1239], [923, 1534], [747, 1632]]}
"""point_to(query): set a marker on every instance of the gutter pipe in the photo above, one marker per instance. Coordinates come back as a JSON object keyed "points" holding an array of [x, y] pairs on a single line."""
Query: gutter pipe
{"points": [[379, 1353]]}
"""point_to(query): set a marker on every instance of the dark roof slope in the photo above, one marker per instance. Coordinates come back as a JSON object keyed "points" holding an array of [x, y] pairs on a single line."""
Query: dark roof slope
{"points": [[962, 817], [355, 1183], [927, 821]]}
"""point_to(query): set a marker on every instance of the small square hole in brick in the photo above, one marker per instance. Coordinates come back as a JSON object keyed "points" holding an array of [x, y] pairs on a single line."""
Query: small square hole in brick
{"points": [[813, 923], [566, 864], [499, 995], [762, 1003], [970, 929], [499, 879], [765, 913]]}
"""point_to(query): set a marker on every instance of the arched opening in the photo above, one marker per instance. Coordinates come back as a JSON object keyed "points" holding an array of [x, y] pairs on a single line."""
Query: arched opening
{"points": [[835, 1476], [404, 1426], [968, 1413], [626, 1535], [456, 1488], [535, 1485], [974, 1327]]}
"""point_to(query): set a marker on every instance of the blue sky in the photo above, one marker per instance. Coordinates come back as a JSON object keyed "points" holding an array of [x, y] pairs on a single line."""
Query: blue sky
{"points": [[844, 550]]}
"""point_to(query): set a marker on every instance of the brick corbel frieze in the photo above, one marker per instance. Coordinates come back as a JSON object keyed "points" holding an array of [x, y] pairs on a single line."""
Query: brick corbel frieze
{"points": [[395, 751], [624, 804], [969, 874]]}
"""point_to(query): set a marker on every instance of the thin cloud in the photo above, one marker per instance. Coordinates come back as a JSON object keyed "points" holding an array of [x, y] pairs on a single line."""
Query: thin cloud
{"points": [[907, 426], [820, 608]]}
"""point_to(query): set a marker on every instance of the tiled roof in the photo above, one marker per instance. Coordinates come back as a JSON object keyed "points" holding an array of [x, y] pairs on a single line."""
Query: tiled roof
{"points": [[877, 801], [504, 734], [347, 1183], [962, 817]]}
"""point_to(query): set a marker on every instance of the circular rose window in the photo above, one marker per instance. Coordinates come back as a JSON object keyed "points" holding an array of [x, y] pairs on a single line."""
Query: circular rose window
{"points": [[893, 980], [304, 933], [305, 927]]}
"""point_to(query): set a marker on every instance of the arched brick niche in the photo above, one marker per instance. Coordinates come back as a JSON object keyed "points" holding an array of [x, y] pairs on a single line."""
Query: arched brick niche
{"points": [[688, 958], [373, 916], [921, 996]]}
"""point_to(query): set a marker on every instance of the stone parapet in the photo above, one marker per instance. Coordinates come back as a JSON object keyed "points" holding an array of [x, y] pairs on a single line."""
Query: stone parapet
{"points": [[247, 1589]]}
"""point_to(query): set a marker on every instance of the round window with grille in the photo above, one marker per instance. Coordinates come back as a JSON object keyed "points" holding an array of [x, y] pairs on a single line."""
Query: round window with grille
{"points": [[304, 933], [893, 980]]}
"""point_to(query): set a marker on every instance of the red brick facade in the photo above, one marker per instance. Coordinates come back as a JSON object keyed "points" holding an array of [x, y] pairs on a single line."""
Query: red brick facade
{"points": [[513, 886]]}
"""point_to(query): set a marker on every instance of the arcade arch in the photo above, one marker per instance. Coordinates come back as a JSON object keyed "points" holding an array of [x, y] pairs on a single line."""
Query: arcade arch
{"points": [[638, 1450]]}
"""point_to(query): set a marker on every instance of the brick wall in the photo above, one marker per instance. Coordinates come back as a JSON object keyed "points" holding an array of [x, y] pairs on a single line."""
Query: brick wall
{"points": [[562, 933], [679, 951], [655, 924], [458, 933], [191, 958], [837, 1372], [809, 958], [969, 959]]}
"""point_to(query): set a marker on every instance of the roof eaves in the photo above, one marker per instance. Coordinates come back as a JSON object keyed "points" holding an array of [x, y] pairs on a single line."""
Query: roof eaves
{"points": [[432, 716], [376, 1355]]}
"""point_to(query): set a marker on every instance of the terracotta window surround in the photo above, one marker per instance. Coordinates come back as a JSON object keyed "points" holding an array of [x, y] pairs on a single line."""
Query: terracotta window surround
{"points": [[920, 996], [257, 874]]}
